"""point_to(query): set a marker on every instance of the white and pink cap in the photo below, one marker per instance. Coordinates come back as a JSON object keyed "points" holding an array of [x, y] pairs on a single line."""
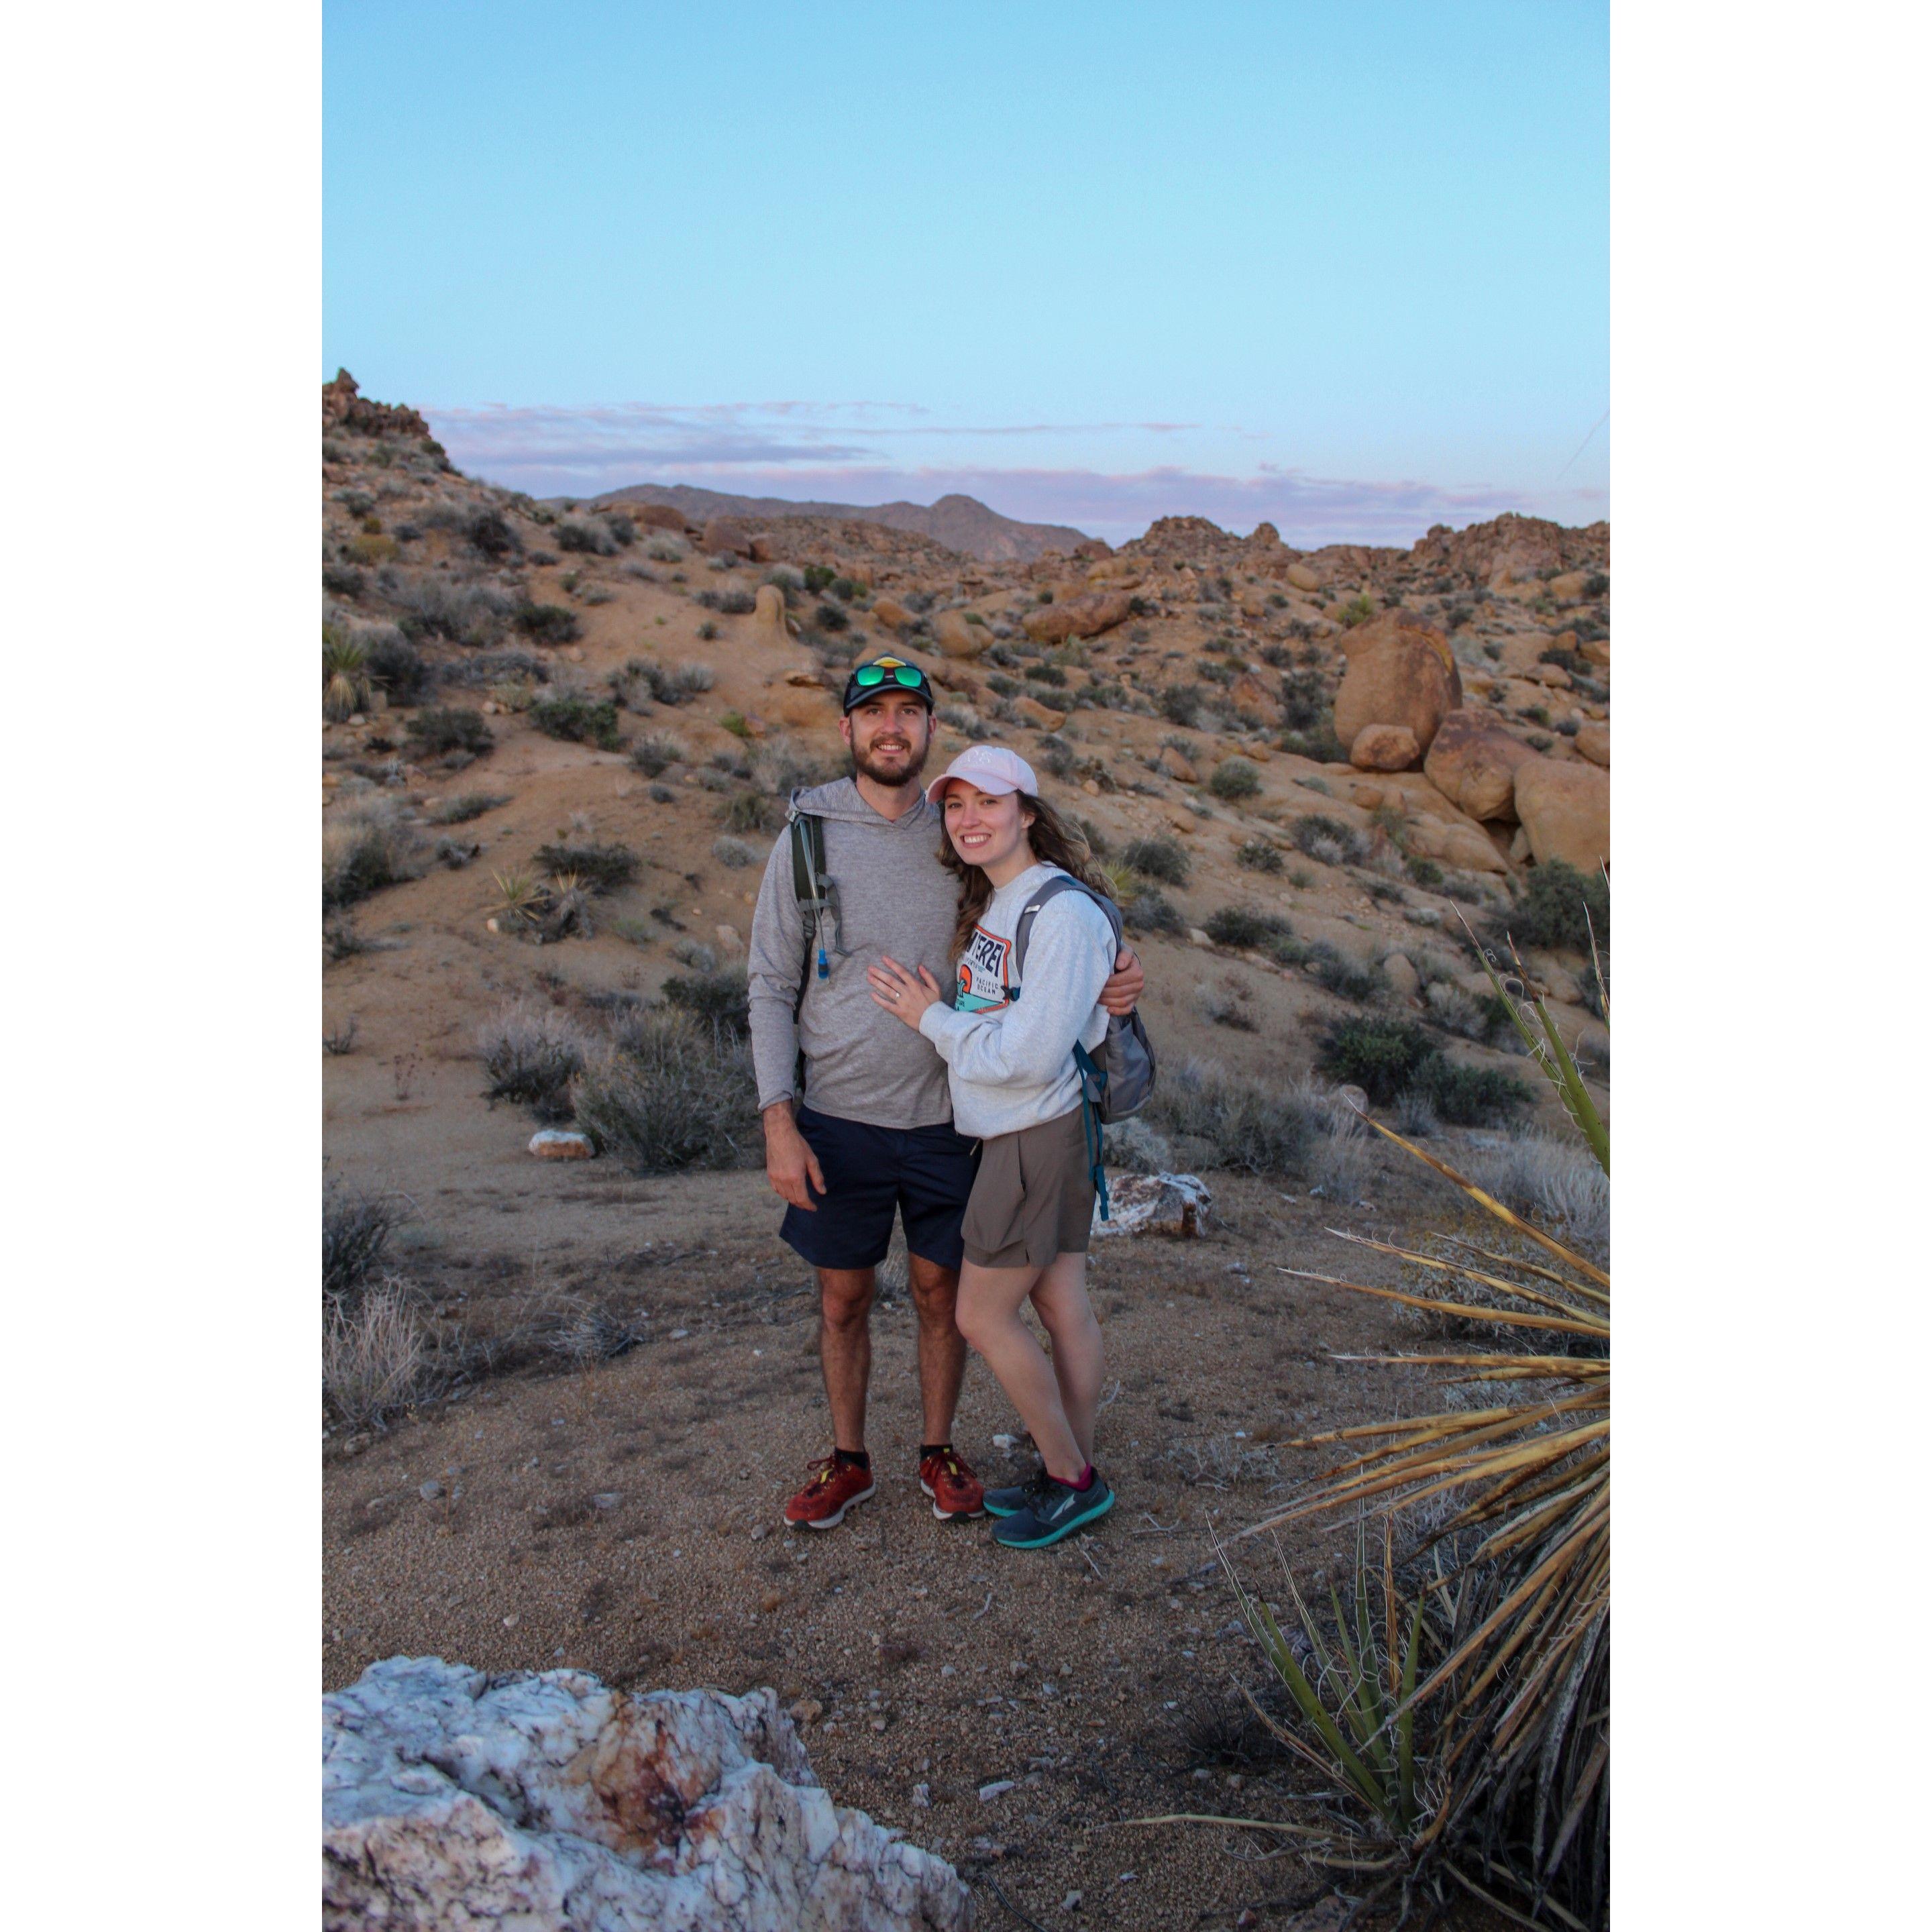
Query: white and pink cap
{"points": [[991, 768]]}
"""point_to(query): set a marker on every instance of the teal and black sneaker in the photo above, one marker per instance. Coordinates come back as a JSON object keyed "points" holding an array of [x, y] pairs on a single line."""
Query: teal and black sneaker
{"points": [[1011, 1500], [1053, 1510]]}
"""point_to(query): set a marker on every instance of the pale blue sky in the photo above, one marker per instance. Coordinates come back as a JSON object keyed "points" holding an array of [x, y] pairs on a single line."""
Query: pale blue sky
{"points": [[1342, 266]]}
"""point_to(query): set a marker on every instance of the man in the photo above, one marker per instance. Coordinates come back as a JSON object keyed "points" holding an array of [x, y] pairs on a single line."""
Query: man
{"points": [[872, 1135]]}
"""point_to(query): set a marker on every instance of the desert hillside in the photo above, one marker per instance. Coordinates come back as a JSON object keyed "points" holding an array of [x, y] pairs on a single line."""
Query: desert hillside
{"points": [[962, 523], [569, 1397]]}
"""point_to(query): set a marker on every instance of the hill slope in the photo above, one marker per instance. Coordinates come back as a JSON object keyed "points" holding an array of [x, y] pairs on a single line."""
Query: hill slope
{"points": [[961, 523]]}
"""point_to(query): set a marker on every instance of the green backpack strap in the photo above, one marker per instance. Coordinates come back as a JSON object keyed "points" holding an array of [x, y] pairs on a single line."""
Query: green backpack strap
{"points": [[813, 890]]}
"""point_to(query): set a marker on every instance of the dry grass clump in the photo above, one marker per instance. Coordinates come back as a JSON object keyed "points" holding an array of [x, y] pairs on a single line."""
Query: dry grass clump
{"points": [[1242, 1124], [375, 1356], [1555, 1180], [532, 1053], [355, 1231], [1319, 836], [367, 843]]}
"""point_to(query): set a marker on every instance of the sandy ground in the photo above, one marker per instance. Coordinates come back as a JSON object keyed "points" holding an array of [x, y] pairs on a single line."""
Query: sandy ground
{"points": [[625, 1518]]}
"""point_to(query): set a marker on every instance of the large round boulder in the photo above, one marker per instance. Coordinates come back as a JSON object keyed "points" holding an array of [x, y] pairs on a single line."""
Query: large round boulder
{"points": [[1472, 761], [1401, 672], [1593, 742], [956, 637], [1565, 804], [726, 536]]}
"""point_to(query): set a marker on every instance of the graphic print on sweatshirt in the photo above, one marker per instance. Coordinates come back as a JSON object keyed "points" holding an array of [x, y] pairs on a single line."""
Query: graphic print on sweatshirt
{"points": [[984, 985]]}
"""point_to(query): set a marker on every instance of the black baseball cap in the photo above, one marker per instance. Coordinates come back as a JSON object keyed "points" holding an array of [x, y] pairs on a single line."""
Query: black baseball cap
{"points": [[886, 673]]}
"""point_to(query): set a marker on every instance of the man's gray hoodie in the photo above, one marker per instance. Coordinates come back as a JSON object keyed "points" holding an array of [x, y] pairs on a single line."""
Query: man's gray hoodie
{"points": [[893, 896]]}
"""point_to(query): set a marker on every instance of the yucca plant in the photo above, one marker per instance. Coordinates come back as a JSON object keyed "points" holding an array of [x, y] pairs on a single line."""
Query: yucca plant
{"points": [[1491, 1770], [345, 676], [520, 900]]}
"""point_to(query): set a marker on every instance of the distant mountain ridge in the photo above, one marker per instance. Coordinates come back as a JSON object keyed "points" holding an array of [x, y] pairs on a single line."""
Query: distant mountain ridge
{"points": [[961, 523]]}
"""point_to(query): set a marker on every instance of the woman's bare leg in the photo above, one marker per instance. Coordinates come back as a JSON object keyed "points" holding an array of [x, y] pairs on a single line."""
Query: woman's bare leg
{"points": [[989, 1319], [1079, 1365]]}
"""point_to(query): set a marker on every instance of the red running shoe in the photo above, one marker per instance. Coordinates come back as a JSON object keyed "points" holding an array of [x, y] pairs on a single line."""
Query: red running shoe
{"points": [[956, 1492], [834, 1488]]}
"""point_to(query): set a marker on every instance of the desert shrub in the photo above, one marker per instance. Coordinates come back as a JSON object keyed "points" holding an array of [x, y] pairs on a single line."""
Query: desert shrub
{"points": [[818, 577], [370, 549], [586, 539], [732, 854], [962, 718], [1180, 704], [1225, 1005], [830, 617], [486, 669], [679, 684], [1097, 842], [1458, 1012], [1597, 585], [1551, 911], [1244, 927], [579, 719], [1380, 1056], [491, 534], [356, 1232], [1358, 610], [751, 811], [470, 614], [396, 664], [665, 549], [715, 999], [1469, 1097], [1251, 1128], [374, 1357], [1161, 858], [531, 1052], [367, 844], [1327, 839], [1423, 871], [1046, 673], [436, 733], [731, 602], [1258, 855], [1151, 911], [1056, 755], [1132, 1147], [789, 580], [470, 805], [1348, 978], [598, 868], [670, 1094], [548, 623], [1555, 1182], [1234, 778]]}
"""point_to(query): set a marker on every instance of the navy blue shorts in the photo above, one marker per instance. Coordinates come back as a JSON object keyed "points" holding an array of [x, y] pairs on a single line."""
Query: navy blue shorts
{"points": [[924, 1174]]}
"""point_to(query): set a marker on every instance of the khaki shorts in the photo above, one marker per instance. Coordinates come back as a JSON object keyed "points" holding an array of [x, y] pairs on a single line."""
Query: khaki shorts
{"points": [[1032, 1199]]}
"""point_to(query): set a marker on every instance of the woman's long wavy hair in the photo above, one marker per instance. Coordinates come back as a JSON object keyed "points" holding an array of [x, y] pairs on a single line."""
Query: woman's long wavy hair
{"points": [[1054, 841]]}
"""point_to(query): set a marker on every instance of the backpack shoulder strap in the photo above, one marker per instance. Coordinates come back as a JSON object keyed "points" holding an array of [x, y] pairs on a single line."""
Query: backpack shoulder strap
{"points": [[813, 891], [1060, 882]]}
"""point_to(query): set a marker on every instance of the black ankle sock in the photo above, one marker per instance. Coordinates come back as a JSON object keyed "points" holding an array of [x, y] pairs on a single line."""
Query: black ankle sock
{"points": [[857, 1458], [926, 1449]]}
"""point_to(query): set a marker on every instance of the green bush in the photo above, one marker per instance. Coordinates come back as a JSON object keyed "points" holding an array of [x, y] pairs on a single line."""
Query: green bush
{"points": [[1348, 978], [598, 868], [436, 733], [1180, 704], [751, 811], [1469, 1097], [1552, 912], [818, 577], [1234, 778], [471, 805], [548, 623], [1160, 858], [1245, 927], [1358, 610], [579, 720], [1423, 871], [830, 617], [1258, 855], [1380, 1056]]}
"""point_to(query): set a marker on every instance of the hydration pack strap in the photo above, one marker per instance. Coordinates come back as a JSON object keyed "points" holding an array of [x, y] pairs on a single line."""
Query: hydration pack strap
{"points": [[1093, 1084]]}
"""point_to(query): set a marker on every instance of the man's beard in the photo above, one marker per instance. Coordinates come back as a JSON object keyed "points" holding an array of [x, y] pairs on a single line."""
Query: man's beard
{"points": [[893, 779]]}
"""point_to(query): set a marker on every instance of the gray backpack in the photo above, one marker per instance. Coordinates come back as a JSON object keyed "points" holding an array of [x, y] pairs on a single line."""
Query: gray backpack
{"points": [[1116, 1079]]}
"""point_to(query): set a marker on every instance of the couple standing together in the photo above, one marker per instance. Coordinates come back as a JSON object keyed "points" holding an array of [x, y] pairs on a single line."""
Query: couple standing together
{"points": [[957, 1105]]}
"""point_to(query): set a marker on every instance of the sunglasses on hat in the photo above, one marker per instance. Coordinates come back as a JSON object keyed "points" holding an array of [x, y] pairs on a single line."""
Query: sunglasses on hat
{"points": [[871, 677]]}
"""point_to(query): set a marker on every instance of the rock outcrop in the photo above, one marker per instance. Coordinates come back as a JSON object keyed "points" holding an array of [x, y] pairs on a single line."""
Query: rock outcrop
{"points": [[1384, 747], [454, 1800], [1083, 616], [769, 626], [344, 407], [1565, 804], [1401, 671], [957, 637]]}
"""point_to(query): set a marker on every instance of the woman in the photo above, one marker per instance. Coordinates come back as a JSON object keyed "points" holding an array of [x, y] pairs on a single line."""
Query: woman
{"points": [[1016, 1088]]}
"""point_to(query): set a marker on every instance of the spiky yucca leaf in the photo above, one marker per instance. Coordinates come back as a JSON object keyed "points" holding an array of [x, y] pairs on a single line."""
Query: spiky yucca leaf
{"points": [[345, 676]]}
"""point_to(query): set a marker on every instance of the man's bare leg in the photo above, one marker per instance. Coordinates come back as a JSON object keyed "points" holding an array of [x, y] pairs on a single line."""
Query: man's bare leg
{"points": [[845, 1351], [942, 1348]]}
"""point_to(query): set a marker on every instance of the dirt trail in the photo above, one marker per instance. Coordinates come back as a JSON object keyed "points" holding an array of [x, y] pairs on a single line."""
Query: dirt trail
{"points": [[625, 1519]]}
